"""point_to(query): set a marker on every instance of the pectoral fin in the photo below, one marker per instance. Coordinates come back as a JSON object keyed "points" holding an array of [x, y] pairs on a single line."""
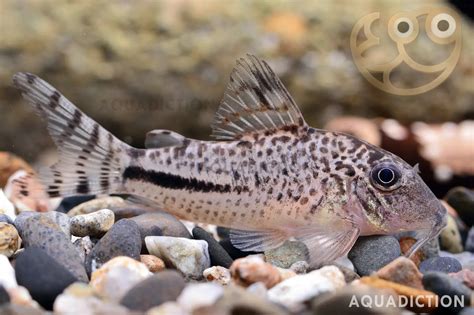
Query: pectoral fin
{"points": [[325, 245], [257, 241]]}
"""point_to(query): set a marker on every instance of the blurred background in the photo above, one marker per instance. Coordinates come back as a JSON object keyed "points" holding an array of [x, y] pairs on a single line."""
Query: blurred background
{"points": [[138, 66]]}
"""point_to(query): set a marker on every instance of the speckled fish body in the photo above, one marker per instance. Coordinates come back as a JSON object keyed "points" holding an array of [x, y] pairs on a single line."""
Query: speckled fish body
{"points": [[269, 176]]}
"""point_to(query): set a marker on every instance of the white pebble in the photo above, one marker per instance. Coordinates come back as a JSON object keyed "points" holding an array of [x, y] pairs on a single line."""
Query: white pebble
{"points": [[7, 273], [190, 257], [197, 295], [296, 290]]}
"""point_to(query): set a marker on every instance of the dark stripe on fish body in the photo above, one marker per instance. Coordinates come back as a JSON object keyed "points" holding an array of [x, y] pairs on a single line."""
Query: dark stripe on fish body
{"points": [[171, 181]]}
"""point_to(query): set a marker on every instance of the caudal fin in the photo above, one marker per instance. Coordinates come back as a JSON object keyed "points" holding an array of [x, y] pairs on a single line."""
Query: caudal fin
{"points": [[91, 159]]}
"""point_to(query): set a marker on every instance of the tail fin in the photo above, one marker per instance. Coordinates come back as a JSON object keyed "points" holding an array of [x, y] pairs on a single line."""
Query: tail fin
{"points": [[91, 159]]}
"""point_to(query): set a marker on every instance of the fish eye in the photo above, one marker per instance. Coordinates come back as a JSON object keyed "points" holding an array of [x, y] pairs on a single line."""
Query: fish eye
{"points": [[385, 176]]}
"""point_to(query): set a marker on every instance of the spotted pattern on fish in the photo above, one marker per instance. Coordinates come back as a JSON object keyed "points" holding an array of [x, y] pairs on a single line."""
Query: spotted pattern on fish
{"points": [[268, 175]]}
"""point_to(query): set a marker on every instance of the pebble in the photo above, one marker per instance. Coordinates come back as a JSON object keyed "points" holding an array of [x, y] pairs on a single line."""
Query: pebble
{"points": [[258, 289], [84, 246], [402, 270], [6, 207], [44, 278], [19, 295], [123, 239], [300, 267], [287, 254], [441, 264], [431, 248], [251, 269], [96, 205], [61, 219], [217, 274], [160, 223], [236, 300], [450, 238], [79, 298], [41, 231], [199, 295], [4, 297], [467, 311], [425, 300], [153, 263], [349, 274], [345, 262], [234, 252], [405, 245], [153, 291], [129, 211], [296, 290], [370, 253], [10, 241], [7, 273], [466, 276], [22, 217], [92, 224], [70, 202], [470, 240], [217, 254], [465, 258], [167, 308], [462, 199], [189, 256], [13, 309], [442, 284], [5, 218], [117, 276]]}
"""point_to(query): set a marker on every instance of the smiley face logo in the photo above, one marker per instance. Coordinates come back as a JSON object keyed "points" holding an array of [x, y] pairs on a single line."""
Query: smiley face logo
{"points": [[442, 27]]}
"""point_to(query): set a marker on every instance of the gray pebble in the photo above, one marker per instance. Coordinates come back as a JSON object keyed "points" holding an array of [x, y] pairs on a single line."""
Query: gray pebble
{"points": [[370, 253], [84, 245], [6, 219], [287, 254], [61, 219], [153, 291], [40, 230], [441, 264], [300, 267], [444, 285], [167, 224], [123, 239]]}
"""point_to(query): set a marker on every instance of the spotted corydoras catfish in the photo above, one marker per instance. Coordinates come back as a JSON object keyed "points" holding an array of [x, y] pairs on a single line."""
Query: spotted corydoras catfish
{"points": [[269, 175]]}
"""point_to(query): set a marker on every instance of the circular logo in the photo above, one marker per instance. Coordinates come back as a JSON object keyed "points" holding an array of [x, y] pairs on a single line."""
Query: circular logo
{"points": [[442, 27]]}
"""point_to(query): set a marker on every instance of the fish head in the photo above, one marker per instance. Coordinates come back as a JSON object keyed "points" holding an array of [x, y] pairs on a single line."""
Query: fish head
{"points": [[395, 198]]}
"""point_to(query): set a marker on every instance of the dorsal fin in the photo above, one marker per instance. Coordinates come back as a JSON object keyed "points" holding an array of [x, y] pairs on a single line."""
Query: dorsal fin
{"points": [[160, 138], [255, 100]]}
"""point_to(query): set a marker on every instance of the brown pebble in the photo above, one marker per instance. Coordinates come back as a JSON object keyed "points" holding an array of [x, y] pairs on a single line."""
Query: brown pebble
{"points": [[251, 269], [10, 241], [153, 263], [403, 271], [405, 244]]}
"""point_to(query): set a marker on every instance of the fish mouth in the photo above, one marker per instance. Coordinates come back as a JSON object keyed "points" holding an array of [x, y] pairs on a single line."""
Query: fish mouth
{"points": [[440, 223]]}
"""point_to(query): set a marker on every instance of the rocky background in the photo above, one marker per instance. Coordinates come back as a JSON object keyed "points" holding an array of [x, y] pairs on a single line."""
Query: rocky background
{"points": [[164, 64]]}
